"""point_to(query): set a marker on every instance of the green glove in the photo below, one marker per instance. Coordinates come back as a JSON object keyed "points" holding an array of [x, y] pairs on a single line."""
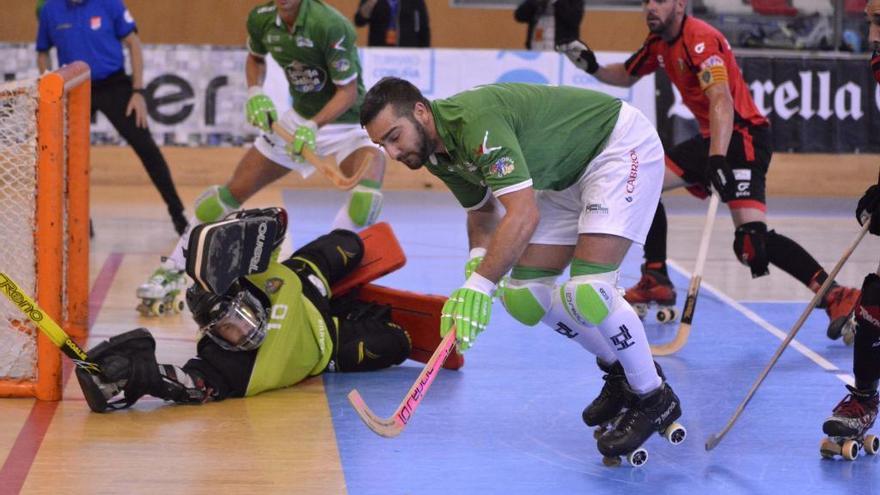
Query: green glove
{"points": [[259, 109], [304, 136], [469, 308]]}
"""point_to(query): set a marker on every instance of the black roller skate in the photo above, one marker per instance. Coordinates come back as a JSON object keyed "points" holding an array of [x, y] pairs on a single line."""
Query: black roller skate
{"points": [[614, 396], [654, 412], [849, 422]]}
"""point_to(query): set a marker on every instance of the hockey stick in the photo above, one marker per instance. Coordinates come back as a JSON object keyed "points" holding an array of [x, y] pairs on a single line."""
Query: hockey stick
{"points": [[690, 304], [392, 426], [326, 164], [715, 439], [46, 324]]}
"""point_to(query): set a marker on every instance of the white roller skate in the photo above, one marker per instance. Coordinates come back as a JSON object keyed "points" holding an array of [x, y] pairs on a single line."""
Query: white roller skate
{"points": [[161, 293]]}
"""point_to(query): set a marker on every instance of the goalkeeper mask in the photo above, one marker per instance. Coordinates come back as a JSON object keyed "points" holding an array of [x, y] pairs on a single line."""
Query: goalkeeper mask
{"points": [[235, 323]]}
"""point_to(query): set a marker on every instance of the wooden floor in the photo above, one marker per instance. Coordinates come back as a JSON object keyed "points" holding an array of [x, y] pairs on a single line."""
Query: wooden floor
{"points": [[279, 442]]}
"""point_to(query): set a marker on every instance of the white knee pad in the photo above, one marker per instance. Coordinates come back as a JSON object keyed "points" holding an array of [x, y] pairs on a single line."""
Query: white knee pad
{"points": [[210, 207], [528, 301], [589, 299]]}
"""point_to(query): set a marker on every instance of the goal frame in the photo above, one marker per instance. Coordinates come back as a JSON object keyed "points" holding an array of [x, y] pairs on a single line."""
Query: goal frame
{"points": [[62, 255]]}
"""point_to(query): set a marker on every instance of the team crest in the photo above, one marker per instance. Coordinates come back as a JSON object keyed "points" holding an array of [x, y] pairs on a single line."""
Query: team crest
{"points": [[342, 65], [273, 285], [503, 166]]}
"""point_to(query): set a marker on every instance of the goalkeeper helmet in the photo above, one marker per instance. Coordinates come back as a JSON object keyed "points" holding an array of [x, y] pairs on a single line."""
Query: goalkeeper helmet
{"points": [[236, 321]]}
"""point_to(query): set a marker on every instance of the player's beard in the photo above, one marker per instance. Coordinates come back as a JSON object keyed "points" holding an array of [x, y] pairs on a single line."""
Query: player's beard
{"points": [[415, 160], [659, 25]]}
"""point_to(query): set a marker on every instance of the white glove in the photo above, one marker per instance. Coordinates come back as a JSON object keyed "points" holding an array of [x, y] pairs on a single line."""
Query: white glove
{"points": [[580, 55]]}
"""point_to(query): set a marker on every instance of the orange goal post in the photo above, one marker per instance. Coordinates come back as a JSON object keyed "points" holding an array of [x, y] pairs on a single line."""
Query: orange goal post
{"points": [[44, 221]]}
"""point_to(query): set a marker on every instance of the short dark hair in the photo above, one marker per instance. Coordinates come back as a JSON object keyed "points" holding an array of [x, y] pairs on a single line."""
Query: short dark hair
{"points": [[400, 93]]}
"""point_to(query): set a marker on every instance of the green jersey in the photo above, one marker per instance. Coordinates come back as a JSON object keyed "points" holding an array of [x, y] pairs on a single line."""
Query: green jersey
{"points": [[505, 137], [297, 343], [318, 54]]}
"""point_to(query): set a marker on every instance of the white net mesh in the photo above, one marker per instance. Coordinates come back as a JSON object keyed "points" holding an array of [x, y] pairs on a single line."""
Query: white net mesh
{"points": [[18, 156]]}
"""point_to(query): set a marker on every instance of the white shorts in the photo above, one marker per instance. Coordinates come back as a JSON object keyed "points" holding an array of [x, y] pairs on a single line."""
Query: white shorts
{"points": [[338, 140], [617, 194]]}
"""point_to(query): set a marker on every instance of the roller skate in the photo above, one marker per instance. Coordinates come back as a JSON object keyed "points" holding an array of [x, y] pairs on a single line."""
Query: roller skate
{"points": [[613, 397], [161, 293], [654, 412], [653, 291], [846, 428], [839, 303]]}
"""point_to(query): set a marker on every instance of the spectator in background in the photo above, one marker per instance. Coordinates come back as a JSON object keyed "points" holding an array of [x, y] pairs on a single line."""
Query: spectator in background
{"points": [[95, 31], [395, 22], [551, 22]]}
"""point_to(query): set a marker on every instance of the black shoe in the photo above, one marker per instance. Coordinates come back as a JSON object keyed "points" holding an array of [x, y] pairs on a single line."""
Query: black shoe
{"points": [[649, 414], [612, 398]]}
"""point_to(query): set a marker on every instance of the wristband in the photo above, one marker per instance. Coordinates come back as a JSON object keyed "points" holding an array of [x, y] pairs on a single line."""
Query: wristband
{"points": [[479, 283], [477, 252]]}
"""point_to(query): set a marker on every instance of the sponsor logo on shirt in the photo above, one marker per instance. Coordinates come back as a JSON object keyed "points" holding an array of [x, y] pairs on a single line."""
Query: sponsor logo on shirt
{"points": [[273, 285], [596, 208], [267, 8], [342, 65], [742, 174], [338, 44], [95, 23], [302, 41], [305, 78], [503, 166], [712, 61], [61, 27], [700, 47], [484, 149]]}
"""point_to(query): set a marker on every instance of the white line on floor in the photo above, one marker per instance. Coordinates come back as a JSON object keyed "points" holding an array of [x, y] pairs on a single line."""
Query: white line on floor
{"points": [[761, 322]]}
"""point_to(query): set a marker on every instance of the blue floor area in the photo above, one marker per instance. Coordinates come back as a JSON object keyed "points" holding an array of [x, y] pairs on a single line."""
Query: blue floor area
{"points": [[509, 421]]}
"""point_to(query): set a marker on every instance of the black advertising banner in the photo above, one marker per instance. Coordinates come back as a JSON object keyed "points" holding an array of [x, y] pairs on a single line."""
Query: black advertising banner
{"points": [[815, 105]]}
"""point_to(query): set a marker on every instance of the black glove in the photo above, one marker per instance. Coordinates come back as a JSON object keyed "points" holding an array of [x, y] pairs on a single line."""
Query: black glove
{"points": [[870, 205], [721, 177], [580, 55]]}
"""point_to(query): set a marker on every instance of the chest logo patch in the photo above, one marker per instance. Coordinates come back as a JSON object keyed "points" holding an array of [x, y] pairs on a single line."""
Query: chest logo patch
{"points": [[302, 41], [342, 65], [305, 78], [95, 23]]}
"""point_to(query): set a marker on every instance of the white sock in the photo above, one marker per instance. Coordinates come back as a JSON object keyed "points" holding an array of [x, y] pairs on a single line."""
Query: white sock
{"points": [[625, 334]]}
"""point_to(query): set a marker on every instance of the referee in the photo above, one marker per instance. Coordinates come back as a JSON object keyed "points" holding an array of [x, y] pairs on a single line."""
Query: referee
{"points": [[94, 31]]}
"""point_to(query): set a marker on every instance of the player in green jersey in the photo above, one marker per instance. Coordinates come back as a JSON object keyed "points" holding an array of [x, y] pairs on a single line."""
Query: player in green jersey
{"points": [[270, 329], [578, 174], [315, 46]]}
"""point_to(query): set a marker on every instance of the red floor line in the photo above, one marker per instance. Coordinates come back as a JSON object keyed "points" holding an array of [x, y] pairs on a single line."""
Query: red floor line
{"points": [[21, 457]]}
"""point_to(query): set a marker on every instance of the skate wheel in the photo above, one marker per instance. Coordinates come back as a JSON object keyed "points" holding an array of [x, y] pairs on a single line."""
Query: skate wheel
{"points": [[872, 444], [850, 450], [611, 461], [157, 308], [675, 433], [828, 449], [143, 309], [637, 458], [666, 315]]}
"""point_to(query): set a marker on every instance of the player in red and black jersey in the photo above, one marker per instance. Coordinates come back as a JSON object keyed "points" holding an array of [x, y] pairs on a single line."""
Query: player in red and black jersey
{"points": [[856, 413], [732, 152]]}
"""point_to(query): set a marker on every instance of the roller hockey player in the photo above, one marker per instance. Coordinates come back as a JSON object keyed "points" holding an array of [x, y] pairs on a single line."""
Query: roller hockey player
{"points": [[521, 154], [853, 417], [732, 153], [324, 118], [264, 324]]}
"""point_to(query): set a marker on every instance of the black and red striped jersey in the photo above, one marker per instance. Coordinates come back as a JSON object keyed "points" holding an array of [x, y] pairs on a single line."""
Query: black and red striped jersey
{"points": [[697, 58]]}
